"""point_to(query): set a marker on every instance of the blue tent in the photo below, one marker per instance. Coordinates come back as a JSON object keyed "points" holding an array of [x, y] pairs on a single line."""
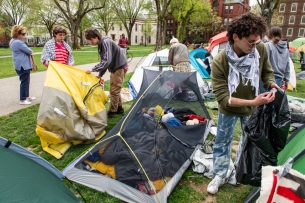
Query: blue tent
{"points": [[196, 57]]}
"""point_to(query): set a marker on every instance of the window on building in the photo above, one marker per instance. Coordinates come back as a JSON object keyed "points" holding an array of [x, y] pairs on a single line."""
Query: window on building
{"points": [[301, 32], [168, 22], [226, 9], [282, 7], [149, 39], [291, 19], [304, 7], [294, 7], [303, 20], [231, 9], [289, 31], [224, 21], [136, 27], [281, 19], [136, 39], [230, 20], [215, 4]]}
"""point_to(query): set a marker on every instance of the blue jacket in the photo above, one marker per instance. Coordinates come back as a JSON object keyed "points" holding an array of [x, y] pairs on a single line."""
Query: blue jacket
{"points": [[21, 54]]}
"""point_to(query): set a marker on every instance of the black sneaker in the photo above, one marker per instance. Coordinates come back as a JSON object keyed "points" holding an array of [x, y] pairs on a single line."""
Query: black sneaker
{"points": [[120, 110], [111, 114]]}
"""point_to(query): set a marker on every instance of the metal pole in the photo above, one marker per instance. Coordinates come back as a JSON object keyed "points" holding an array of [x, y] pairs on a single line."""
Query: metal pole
{"points": [[145, 38]]}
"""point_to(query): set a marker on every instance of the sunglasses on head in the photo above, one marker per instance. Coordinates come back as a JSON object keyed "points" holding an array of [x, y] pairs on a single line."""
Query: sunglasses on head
{"points": [[251, 45], [23, 33]]}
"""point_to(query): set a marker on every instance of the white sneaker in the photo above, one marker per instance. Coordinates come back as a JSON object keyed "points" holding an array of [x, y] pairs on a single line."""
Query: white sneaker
{"points": [[215, 184], [25, 102], [31, 98]]}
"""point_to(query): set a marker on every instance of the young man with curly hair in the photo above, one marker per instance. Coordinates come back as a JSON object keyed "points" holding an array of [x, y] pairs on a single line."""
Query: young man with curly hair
{"points": [[235, 79]]}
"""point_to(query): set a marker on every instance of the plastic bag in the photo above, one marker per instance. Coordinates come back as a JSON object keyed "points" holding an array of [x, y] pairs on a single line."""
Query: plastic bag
{"points": [[267, 131]]}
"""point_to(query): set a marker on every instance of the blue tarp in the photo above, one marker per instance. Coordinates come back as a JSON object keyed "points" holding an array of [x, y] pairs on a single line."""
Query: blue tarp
{"points": [[199, 54]]}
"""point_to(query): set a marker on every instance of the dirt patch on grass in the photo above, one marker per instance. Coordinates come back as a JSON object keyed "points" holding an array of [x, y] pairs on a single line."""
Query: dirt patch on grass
{"points": [[30, 148], [234, 148], [202, 188]]}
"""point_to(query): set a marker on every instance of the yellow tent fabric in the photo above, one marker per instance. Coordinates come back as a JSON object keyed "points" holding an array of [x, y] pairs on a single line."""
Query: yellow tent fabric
{"points": [[72, 109]]}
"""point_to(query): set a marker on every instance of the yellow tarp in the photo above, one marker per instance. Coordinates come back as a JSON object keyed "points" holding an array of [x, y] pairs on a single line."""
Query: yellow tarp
{"points": [[72, 109]]}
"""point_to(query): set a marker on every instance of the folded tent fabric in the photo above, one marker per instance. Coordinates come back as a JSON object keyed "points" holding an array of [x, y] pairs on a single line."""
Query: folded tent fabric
{"points": [[72, 109]]}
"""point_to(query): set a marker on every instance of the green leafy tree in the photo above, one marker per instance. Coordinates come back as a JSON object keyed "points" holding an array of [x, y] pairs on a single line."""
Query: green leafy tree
{"points": [[73, 11], [268, 7], [42, 17], [161, 8], [191, 15], [15, 10], [127, 11], [104, 19], [147, 28], [85, 23]]}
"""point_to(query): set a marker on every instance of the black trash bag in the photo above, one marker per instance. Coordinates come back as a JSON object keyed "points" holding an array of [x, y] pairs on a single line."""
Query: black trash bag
{"points": [[267, 131]]}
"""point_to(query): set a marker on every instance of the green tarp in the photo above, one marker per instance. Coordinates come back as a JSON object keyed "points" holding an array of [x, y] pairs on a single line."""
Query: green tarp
{"points": [[296, 143], [24, 180]]}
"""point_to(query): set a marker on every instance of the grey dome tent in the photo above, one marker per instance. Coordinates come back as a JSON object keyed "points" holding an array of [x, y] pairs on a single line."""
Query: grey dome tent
{"points": [[26, 177], [142, 158]]}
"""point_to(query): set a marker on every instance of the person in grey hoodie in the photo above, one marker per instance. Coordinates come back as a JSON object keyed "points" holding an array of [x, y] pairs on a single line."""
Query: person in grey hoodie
{"points": [[278, 53], [114, 60]]}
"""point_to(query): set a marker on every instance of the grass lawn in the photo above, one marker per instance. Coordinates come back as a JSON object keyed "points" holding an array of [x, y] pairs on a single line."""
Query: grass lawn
{"points": [[87, 54], [20, 128]]}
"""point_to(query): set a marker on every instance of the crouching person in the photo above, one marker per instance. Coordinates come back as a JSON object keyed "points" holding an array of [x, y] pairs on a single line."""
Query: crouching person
{"points": [[113, 59], [235, 79]]}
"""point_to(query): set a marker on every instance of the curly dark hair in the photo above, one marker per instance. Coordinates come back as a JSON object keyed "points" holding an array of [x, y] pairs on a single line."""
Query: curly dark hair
{"points": [[245, 25]]}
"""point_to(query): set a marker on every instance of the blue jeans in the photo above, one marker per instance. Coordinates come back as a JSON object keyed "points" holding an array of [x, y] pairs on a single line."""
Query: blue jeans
{"points": [[24, 77], [223, 143], [278, 81]]}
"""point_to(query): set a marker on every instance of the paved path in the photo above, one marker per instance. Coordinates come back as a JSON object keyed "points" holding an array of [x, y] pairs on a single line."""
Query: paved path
{"points": [[9, 91]]}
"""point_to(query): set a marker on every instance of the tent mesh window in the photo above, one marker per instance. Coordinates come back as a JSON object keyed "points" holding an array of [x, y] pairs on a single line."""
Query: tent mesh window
{"points": [[141, 150]]}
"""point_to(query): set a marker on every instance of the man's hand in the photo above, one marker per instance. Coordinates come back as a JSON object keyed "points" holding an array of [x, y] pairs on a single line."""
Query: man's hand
{"points": [[264, 98], [284, 85], [274, 85], [88, 71]]}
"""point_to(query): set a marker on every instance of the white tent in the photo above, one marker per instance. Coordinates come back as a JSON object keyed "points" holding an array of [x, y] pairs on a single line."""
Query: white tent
{"points": [[154, 61], [292, 81]]}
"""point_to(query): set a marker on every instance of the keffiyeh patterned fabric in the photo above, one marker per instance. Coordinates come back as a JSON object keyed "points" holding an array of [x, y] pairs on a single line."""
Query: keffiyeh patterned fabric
{"points": [[48, 52], [247, 66]]}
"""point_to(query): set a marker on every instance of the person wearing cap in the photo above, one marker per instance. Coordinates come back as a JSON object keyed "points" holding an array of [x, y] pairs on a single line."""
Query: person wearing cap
{"points": [[178, 56]]}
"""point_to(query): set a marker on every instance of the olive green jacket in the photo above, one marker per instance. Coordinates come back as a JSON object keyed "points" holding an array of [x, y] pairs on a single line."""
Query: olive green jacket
{"points": [[220, 73]]}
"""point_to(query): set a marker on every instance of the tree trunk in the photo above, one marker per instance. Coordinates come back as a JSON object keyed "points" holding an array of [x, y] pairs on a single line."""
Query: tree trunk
{"points": [[181, 31], [129, 36], [81, 38], [74, 35], [163, 33], [50, 32], [159, 35]]}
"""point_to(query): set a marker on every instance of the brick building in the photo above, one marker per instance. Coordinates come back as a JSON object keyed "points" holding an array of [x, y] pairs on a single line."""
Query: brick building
{"points": [[226, 9], [229, 9], [292, 17]]}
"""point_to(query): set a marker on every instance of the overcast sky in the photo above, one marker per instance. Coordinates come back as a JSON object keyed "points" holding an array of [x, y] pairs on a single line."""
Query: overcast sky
{"points": [[253, 2]]}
